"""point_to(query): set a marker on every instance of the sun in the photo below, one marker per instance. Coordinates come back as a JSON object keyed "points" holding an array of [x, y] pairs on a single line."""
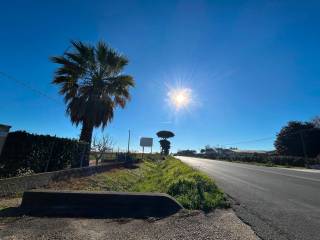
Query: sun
{"points": [[179, 98]]}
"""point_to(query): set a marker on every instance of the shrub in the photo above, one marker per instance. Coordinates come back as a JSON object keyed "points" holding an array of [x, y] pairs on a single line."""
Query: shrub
{"points": [[21, 172], [39, 153], [125, 157], [196, 191]]}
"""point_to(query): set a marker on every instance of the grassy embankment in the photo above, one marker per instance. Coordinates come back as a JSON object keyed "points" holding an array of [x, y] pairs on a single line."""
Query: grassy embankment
{"points": [[191, 188]]}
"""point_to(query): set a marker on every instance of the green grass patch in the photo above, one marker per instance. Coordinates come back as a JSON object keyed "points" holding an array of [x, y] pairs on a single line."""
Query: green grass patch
{"points": [[193, 189], [190, 187]]}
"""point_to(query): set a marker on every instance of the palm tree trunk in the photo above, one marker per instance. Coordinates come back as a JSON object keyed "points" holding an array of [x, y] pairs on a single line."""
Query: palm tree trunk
{"points": [[86, 136]]}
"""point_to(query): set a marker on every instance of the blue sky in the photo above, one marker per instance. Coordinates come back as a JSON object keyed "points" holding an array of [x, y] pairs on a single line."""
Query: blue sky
{"points": [[251, 65]]}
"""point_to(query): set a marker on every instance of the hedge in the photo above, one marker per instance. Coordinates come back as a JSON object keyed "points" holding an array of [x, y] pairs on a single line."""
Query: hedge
{"points": [[273, 159], [263, 158], [40, 153]]}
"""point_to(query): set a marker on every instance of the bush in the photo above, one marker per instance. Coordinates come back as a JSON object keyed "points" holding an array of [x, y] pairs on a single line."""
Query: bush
{"points": [[125, 157], [39, 153], [196, 191], [21, 172]]}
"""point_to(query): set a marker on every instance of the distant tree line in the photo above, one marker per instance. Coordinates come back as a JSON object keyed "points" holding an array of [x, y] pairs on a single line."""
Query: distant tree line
{"points": [[297, 144], [187, 152]]}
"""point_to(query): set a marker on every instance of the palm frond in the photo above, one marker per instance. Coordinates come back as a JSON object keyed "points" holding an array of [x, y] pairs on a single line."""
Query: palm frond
{"points": [[90, 81]]}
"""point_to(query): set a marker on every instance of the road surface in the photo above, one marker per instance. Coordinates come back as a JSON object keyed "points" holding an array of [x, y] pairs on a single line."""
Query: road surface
{"points": [[278, 203]]}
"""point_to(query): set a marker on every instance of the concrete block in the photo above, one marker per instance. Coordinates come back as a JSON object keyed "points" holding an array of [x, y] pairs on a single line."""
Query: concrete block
{"points": [[98, 204]]}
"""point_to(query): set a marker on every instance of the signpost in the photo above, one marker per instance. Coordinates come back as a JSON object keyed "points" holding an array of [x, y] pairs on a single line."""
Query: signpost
{"points": [[146, 142]]}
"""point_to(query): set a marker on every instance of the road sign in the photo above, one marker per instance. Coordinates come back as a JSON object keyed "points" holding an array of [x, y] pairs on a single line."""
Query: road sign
{"points": [[146, 142]]}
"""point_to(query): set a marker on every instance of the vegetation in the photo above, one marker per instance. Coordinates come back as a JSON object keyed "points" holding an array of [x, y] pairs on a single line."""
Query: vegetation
{"points": [[191, 188], [101, 147], [297, 144], [299, 139], [92, 83], [25, 153], [164, 142], [267, 159], [187, 152]]}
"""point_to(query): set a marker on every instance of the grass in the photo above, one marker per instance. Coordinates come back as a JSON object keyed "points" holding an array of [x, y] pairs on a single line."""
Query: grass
{"points": [[191, 188]]}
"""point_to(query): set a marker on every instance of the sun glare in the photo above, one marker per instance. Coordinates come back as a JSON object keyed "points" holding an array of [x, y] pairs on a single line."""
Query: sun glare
{"points": [[180, 98]]}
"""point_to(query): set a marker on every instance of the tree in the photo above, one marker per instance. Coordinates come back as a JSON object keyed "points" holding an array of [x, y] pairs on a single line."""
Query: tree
{"points": [[208, 150], [165, 134], [164, 142], [316, 122], [91, 80], [298, 139], [165, 146], [101, 147]]}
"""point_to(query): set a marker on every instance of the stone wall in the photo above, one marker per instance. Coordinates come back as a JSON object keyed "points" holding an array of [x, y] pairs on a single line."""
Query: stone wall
{"points": [[12, 186]]}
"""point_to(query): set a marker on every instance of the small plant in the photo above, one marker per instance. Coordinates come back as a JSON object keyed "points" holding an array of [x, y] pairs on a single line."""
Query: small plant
{"points": [[21, 172], [101, 147], [125, 157]]}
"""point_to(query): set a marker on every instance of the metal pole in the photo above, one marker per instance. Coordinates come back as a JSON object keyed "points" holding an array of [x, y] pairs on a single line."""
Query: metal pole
{"points": [[142, 152]]}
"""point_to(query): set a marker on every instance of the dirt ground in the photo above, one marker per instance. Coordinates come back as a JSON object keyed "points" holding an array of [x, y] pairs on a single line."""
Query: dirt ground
{"points": [[220, 225]]}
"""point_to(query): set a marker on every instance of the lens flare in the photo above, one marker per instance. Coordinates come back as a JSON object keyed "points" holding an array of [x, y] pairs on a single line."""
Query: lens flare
{"points": [[180, 98]]}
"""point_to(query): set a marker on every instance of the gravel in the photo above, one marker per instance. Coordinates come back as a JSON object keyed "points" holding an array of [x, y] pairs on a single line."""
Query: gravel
{"points": [[220, 224]]}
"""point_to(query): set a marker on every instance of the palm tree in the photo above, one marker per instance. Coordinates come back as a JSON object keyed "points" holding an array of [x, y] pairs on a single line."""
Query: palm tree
{"points": [[92, 83]]}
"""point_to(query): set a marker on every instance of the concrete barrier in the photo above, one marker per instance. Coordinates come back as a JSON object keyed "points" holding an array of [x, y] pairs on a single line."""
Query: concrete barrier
{"points": [[12, 186], [98, 204]]}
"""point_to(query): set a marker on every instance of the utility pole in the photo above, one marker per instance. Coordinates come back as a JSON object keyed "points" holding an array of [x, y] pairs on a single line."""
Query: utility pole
{"points": [[303, 145], [129, 142]]}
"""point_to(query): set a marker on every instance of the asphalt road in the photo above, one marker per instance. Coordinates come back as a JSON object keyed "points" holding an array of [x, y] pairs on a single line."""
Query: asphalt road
{"points": [[277, 203]]}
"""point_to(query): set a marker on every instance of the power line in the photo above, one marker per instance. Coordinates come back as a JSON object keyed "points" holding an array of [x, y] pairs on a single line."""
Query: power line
{"points": [[28, 86], [250, 141], [269, 138]]}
